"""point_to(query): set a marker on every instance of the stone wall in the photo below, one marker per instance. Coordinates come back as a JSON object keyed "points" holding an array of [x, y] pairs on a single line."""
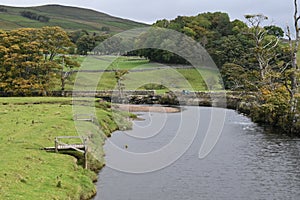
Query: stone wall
{"points": [[208, 98]]}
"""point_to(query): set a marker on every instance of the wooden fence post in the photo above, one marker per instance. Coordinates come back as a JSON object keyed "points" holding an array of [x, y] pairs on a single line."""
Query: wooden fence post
{"points": [[92, 118], [85, 154], [56, 145]]}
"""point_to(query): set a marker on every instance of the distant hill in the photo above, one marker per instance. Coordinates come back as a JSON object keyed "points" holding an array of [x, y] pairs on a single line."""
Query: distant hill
{"points": [[69, 18]]}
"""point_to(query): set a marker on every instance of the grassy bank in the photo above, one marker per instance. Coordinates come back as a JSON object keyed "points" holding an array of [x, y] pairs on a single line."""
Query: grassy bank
{"points": [[26, 171]]}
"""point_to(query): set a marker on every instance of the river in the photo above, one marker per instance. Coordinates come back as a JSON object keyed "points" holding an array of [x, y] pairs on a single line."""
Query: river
{"points": [[248, 162]]}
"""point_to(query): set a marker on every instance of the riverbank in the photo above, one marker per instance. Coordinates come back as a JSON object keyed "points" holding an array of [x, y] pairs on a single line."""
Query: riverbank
{"points": [[27, 172]]}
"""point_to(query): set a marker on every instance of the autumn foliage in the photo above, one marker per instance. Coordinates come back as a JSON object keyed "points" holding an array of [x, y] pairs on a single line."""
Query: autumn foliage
{"points": [[27, 63]]}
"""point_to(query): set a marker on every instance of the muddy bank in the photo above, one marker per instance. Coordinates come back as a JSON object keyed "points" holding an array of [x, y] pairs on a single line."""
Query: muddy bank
{"points": [[146, 108]]}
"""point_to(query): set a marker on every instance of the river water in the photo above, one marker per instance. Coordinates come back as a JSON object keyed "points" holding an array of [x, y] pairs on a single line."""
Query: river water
{"points": [[248, 162]]}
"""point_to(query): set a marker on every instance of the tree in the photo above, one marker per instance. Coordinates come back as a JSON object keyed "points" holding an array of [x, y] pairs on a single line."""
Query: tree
{"points": [[75, 35], [264, 50], [221, 23], [85, 44], [119, 75], [67, 64], [238, 78], [279, 76], [162, 23], [4, 10], [292, 81], [34, 16], [23, 69], [27, 59], [232, 49], [238, 26], [274, 30], [209, 29], [54, 41], [105, 29], [88, 42]]}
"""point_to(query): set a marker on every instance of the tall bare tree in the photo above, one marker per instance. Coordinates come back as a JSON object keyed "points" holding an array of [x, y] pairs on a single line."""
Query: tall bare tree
{"points": [[264, 50], [293, 73]]}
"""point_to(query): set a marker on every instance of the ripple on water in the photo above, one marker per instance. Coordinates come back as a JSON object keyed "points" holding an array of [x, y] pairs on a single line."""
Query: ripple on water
{"points": [[248, 162]]}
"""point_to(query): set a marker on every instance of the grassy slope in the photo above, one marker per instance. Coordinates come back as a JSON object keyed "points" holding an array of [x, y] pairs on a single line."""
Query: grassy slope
{"points": [[69, 18], [26, 172]]}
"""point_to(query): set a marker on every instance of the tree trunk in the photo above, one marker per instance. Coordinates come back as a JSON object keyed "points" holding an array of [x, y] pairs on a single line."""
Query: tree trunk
{"points": [[293, 76], [63, 83], [294, 45]]}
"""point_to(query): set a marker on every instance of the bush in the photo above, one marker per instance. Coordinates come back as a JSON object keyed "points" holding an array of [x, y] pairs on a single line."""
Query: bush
{"points": [[272, 107], [153, 86]]}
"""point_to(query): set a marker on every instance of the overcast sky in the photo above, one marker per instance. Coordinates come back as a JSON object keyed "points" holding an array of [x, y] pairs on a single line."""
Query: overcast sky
{"points": [[280, 12]]}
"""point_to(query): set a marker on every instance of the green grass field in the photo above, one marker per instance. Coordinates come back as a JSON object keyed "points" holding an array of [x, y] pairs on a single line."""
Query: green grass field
{"points": [[142, 74], [26, 171]]}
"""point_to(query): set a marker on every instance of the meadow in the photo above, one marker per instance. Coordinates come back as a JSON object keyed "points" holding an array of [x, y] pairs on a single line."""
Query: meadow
{"points": [[96, 72], [26, 171]]}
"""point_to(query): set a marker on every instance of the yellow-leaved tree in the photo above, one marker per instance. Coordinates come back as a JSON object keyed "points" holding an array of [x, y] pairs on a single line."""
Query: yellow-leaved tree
{"points": [[27, 64]]}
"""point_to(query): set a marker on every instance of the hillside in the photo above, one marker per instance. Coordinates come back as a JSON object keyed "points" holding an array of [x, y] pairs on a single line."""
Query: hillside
{"points": [[69, 18]]}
